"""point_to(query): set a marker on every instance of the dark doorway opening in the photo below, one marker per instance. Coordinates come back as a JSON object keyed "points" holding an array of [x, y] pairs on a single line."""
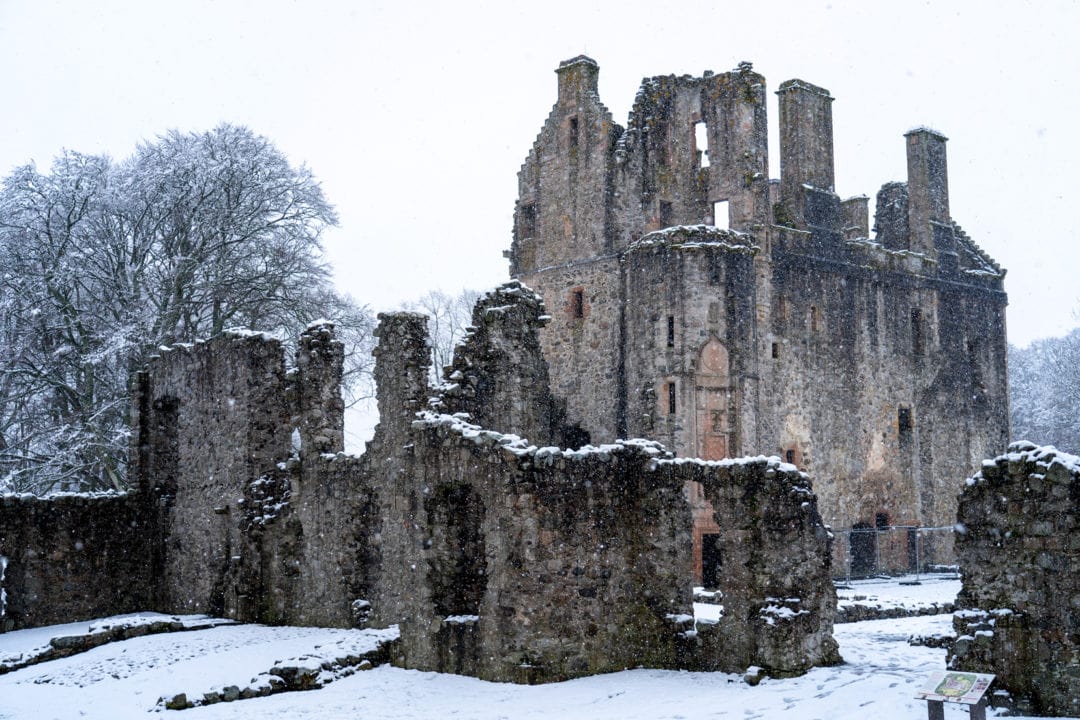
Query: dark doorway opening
{"points": [[862, 544], [711, 560]]}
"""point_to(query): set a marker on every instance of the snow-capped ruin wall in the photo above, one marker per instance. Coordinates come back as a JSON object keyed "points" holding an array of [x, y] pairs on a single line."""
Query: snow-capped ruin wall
{"points": [[1019, 550], [532, 564], [501, 556]]}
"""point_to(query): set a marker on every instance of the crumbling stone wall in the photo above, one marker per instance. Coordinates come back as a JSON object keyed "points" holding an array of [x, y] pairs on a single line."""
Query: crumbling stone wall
{"points": [[528, 563], [877, 364], [72, 557], [1019, 550], [500, 557]]}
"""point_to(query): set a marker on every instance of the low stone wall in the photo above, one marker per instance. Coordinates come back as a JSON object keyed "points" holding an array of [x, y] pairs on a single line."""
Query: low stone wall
{"points": [[71, 557], [1019, 551]]}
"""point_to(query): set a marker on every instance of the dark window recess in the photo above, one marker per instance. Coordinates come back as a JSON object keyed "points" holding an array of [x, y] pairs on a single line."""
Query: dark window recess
{"points": [[667, 214], [813, 319], [789, 456], [671, 331], [712, 560], [903, 421], [573, 132], [881, 521], [916, 331], [577, 303], [528, 221], [671, 398], [775, 350]]}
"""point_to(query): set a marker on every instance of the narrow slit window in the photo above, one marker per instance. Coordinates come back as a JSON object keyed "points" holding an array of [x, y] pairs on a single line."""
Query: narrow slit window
{"points": [[573, 132], [577, 304], [528, 221], [671, 331], [813, 318], [701, 144], [667, 214], [721, 213], [775, 350], [916, 332], [671, 398], [904, 421], [789, 457]]}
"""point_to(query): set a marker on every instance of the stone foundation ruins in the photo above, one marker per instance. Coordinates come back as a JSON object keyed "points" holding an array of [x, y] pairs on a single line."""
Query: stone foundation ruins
{"points": [[1019, 551], [500, 554]]}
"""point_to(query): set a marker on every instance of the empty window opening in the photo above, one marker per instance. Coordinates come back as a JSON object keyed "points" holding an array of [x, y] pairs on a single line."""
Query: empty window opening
{"points": [[789, 457], [671, 398], [671, 331], [577, 304], [813, 318], [573, 132], [527, 221], [712, 560], [667, 214], [701, 144], [721, 214], [903, 421], [916, 331], [775, 350], [881, 521]]}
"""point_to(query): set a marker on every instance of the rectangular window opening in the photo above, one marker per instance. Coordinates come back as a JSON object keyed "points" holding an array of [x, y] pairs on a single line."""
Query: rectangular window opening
{"points": [[916, 332], [701, 144], [667, 214], [528, 221], [813, 318], [775, 350], [789, 457], [671, 331], [671, 398], [577, 304], [573, 132], [903, 421], [721, 214]]}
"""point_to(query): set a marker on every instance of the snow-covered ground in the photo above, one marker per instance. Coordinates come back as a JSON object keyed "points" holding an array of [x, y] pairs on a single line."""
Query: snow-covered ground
{"points": [[125, 679]]}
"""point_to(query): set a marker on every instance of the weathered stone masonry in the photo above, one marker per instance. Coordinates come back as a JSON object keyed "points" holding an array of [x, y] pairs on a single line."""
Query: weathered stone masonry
{"points": [[698, 303], [500, 557], [1019, 610]]}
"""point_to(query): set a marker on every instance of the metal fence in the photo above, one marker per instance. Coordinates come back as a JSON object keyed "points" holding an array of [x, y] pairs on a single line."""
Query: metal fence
{"points": [[892, 550]]}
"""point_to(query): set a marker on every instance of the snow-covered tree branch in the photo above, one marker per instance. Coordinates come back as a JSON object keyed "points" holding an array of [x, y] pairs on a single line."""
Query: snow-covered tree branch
{"points": [[101, 262]]}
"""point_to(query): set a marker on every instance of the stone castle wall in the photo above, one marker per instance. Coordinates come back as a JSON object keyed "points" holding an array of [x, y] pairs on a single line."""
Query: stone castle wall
{"points": [[1019, 549], [499, 557], [72, 557], [875, 363]]}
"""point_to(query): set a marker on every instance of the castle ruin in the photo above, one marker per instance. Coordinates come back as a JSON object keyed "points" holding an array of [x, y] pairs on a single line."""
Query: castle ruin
{"points": [[499, 554], [699, 303]]}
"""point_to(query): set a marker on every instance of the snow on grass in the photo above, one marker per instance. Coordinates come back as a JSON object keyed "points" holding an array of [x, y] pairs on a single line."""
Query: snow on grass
{"points": [[128, 679], [900, 593], [123, 680]]}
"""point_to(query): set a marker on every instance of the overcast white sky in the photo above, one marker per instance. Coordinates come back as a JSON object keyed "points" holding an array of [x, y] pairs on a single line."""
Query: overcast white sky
{"points": [[417, 115]]}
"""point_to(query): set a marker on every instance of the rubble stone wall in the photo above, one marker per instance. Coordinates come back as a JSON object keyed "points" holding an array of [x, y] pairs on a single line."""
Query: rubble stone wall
{"points": [[71, 558], [1019, 550]]}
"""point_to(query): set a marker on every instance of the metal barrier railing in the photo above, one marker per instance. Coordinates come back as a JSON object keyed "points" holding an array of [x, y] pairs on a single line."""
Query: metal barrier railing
{"points": [[892, 550]]}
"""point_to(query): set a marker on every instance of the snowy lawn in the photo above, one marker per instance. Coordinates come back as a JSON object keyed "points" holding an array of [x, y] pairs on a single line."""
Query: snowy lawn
{"points": [[125, 679]]}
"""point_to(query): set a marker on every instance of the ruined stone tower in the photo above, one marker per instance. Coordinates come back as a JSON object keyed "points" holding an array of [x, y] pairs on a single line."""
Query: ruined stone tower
{"points": [[699, 303]]}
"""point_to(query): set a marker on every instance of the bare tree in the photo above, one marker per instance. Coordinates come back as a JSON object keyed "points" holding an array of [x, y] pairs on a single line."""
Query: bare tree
{"points": [[449, 316], [102, 262], [1044, 392]]}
